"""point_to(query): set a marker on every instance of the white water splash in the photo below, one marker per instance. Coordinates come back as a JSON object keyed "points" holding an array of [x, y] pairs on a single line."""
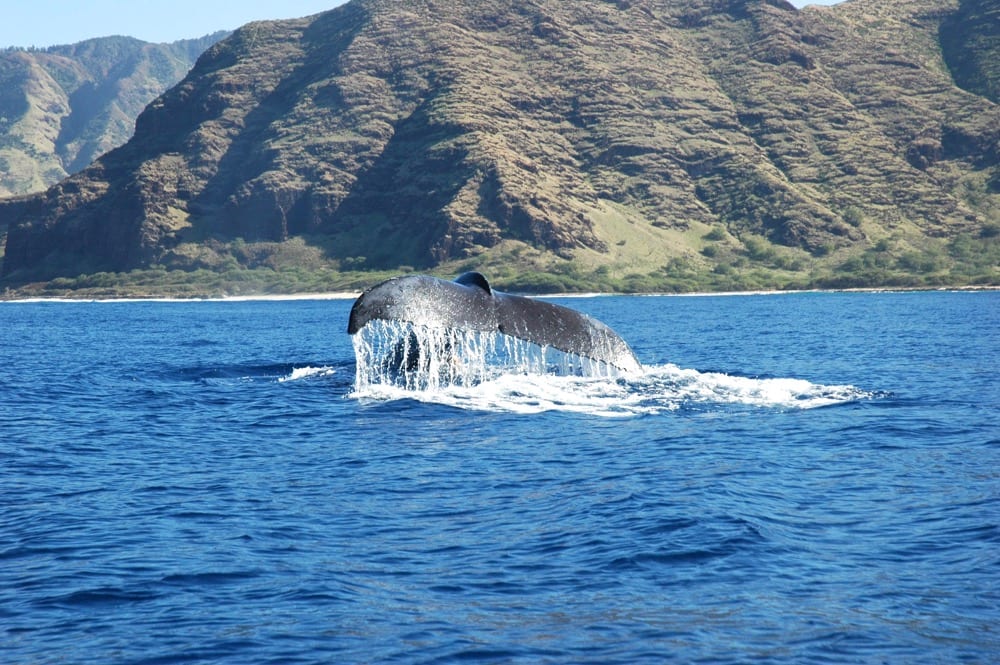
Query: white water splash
{"points": [[677, 386], [493, 372], [306, 373]]}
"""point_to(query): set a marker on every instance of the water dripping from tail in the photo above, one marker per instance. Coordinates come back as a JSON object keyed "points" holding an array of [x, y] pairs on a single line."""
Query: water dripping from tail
{"points": [[412, 357]]}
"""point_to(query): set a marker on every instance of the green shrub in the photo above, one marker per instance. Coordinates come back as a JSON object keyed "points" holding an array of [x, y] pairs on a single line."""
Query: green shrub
{"points": [[717, 233]]}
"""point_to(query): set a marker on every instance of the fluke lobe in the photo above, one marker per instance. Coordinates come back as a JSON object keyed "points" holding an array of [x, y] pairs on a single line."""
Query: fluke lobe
{"points": [[470, 303]]}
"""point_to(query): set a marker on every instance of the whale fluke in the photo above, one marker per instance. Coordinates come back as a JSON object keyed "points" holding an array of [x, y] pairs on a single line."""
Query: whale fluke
{"points": [[470, 303]]}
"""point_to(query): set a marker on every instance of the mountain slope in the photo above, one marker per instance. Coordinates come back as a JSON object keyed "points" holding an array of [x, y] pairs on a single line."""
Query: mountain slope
{"points": [[616, 134], [970, 41], [62, 107]]}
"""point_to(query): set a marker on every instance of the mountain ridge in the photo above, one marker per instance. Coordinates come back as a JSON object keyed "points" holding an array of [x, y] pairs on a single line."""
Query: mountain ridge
{"points": [[631, 136], [63, 106]]}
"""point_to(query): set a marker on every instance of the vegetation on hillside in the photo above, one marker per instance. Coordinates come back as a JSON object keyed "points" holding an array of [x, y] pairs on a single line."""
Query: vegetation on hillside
{"points": [[647, 145], [966, 261]]}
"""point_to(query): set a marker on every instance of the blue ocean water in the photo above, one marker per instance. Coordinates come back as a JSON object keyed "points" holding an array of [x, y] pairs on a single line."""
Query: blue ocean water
{"points": [[809, 477]]}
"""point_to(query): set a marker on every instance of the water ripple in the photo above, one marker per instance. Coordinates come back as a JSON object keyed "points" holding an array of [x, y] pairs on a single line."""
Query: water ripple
{"points": [[202, 482]]}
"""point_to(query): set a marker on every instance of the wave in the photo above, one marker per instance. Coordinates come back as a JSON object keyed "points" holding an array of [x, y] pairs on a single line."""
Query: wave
{"points": [[238, 373], [299, 373]]}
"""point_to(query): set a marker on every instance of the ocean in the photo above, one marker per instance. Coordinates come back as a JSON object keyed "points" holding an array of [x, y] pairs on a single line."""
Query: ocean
{"points": [[802, 477]]}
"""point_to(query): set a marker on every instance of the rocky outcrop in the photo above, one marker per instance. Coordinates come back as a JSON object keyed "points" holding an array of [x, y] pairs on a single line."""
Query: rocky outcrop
{"points": [[411, 132]]}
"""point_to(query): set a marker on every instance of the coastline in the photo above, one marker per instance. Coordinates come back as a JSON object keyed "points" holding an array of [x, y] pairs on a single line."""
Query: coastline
{"points": [[351, 295], [334, 295]]}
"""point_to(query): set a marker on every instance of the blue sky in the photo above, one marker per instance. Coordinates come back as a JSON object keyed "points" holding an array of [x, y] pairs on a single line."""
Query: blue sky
{"points": [[47, 22]]}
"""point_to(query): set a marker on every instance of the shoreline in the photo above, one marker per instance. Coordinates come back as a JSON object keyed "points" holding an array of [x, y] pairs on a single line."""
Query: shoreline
{"points": [[351, 295], [334, 295]]}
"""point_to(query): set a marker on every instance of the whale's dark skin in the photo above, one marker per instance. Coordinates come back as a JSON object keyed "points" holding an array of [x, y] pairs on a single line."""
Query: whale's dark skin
{"points": [[470, 303]]}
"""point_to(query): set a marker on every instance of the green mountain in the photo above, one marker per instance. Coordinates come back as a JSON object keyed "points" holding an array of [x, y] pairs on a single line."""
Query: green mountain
{"points": [[64, 106], [634, 144]]}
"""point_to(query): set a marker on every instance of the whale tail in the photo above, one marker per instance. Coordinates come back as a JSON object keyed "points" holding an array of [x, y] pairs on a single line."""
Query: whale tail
{"points": [[470, 303]]}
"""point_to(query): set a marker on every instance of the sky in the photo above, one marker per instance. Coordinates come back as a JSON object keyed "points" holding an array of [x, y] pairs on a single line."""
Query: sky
{"points": [[44, 23]]}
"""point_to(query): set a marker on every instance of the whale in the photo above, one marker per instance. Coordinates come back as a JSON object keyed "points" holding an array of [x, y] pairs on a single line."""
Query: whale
{"points": [[470, 303]]}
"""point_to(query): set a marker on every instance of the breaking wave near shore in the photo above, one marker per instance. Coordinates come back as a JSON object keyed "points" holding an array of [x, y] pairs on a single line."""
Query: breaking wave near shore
{"points": [[495, 372]]}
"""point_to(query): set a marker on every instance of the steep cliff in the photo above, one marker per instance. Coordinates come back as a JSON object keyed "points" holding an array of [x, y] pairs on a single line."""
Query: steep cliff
{"points": [[413, 132]]}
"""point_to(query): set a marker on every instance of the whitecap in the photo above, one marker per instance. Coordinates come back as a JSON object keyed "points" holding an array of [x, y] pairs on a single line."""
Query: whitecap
{"points": [[307, 373]]}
